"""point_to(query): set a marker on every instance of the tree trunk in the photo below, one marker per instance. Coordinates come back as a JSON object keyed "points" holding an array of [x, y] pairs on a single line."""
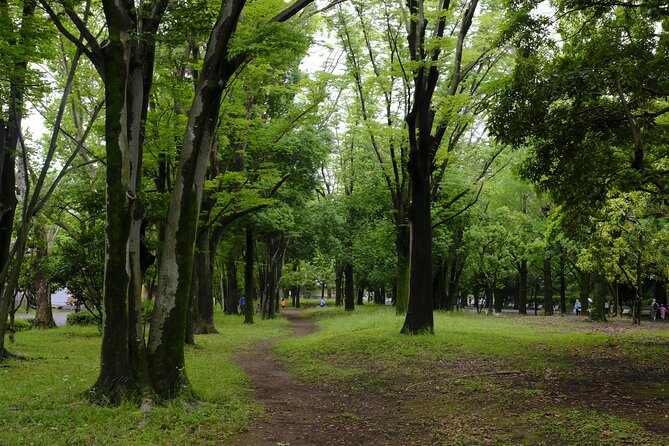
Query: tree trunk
{"points": [[638, 288], [232, 296], [440, 286], [599, 296], [548, 288], [204, 292], [453, 281], [249, 288], [425, 136], [402, 247], [349, 296], [9, 145], [584, 280], [126, 66], [563, 286], [496, 298], [522, 286], [43, 313], [419, 318], [339, 272], [361, 295]]}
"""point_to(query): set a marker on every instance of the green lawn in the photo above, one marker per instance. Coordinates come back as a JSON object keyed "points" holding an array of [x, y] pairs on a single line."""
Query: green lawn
{"points": [[42, 399], [500, 379], [479, 380]]}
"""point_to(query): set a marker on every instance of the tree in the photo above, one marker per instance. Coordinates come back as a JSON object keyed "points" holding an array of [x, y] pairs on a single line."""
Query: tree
{"points": [[428, 126], [589, 101], [126, 64]]}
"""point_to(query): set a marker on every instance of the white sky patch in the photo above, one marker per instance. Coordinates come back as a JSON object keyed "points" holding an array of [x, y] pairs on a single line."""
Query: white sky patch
{"points": [[33, 125]]}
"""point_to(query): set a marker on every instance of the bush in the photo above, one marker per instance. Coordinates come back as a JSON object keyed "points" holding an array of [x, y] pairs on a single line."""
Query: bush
{"points": [[22, 324], [81, 318]]}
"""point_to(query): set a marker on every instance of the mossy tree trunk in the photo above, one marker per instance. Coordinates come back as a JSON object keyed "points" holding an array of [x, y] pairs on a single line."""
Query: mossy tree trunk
{"points": [[126, 67], [10, 129]]}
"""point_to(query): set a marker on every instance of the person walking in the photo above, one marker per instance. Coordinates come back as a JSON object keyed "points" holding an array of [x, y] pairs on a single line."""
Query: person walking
{"points": [[577, 307], [663, 311], [654, 306], [283, 303], [242, 302]]}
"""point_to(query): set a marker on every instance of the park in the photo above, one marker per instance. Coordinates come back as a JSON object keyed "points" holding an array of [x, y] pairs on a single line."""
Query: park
{"points": [[324, 376], [315, 222]]}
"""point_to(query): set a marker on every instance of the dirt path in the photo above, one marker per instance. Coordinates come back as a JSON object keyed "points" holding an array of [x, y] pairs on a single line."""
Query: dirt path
{"points": [[303, 415], [461, 401]]}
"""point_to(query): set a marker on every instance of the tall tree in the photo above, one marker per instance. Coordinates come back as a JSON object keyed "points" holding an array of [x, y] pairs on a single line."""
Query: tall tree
{"points": [[126, 63]]}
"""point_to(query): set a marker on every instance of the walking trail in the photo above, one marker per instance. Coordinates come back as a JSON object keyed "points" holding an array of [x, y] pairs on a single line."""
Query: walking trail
{"points": [[305, 415]]}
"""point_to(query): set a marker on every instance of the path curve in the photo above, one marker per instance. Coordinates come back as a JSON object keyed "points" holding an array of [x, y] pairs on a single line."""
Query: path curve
{"points": [[298, 414]]}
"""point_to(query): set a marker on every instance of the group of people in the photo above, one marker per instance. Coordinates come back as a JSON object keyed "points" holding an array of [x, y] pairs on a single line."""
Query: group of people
{"points": [[655, 308], [242, 303]]}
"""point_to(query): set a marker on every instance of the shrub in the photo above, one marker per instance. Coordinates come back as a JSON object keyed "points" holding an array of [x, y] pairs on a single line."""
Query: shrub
{"points": [[81, 318], [22, 324]]}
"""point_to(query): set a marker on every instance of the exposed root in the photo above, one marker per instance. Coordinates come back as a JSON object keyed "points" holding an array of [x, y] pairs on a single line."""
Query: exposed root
{"points": [[7, 354]]}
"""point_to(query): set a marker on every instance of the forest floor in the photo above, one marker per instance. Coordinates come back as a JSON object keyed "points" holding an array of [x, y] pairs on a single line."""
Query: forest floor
{"points": [[589, 395]]}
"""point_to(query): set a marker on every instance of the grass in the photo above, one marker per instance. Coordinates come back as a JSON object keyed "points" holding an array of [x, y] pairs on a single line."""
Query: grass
{"points": [[545, 371], [42, 403], [479, 380]]}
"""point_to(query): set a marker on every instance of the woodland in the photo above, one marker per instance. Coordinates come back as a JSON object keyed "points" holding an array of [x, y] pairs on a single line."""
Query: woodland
{"points": [[434, 157]]}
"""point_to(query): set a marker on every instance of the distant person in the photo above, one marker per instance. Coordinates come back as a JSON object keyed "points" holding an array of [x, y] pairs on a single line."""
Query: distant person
{"points": [[242, 302], [322, 304], [663, 311], [654, 306], [613, 308], [283, 303], [577, 307]]}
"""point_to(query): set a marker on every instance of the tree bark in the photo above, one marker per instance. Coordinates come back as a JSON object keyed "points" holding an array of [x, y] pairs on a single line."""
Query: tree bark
{"points": [[361, 295], [522, 286], [349, 296], [563, 286], [548, 288], [402, 247], [497, 299], [248, 276], [43, 313], [599, 296], [584, 282], [9, 144], [339, 272], [419, 318], [232, 295]]}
